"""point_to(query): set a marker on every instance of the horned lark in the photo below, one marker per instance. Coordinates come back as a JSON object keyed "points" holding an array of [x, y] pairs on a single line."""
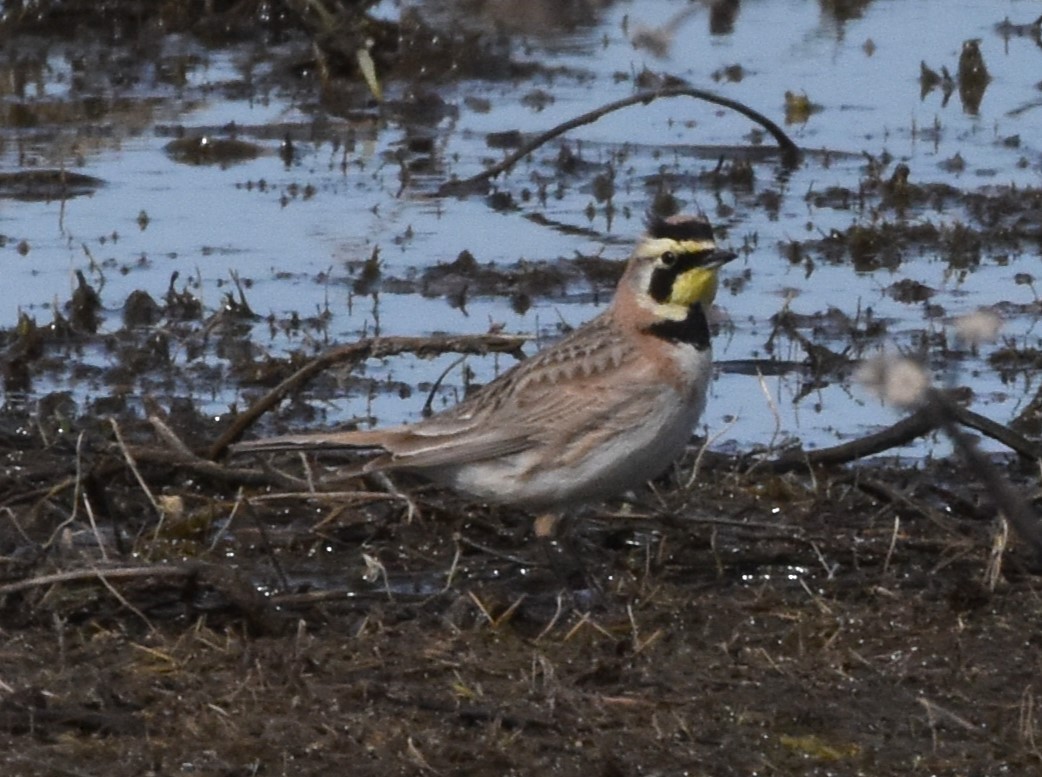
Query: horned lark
{"points": [[603, 410]]}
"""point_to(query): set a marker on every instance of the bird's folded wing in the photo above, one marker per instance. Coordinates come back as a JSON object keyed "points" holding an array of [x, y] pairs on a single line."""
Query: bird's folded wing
{"points": [[567, 423], [575, 411], [416, 446], [421, 449]]}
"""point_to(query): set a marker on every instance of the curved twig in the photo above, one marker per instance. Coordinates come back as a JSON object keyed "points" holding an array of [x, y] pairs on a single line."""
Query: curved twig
{"points": [[900, 433], [95, 573], [1006, 498], [920, 423], [239, 591], [1012, 439], [369, 348], [790, 151], [940, 412]]}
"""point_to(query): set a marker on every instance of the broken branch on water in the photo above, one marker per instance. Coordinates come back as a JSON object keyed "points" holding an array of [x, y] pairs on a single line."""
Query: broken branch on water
{"points": [[790, 151], [367, 348]]}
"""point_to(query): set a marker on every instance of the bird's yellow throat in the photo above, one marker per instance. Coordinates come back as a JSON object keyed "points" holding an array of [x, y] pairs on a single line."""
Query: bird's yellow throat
{"points": [[696, 285]]}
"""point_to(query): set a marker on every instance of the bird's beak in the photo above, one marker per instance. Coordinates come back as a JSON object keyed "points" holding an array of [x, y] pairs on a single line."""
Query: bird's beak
{"points": [[719, 259]]}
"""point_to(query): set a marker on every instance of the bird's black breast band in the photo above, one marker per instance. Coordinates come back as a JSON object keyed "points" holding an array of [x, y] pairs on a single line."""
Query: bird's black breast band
{"points": [[693, 329]]}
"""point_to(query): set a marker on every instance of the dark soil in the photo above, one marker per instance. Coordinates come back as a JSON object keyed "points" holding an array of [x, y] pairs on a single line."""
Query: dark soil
{"points": [[863, 621]]}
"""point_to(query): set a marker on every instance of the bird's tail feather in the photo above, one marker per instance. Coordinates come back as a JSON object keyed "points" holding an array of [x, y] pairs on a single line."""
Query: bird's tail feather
{"points": [[332, 442]]}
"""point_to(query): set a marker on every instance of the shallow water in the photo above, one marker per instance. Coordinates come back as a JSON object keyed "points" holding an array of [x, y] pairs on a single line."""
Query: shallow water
{"points": [[298, 232]]}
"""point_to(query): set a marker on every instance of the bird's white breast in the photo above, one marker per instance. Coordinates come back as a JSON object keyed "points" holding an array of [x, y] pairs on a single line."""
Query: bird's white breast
{"points": [[622, 461]]}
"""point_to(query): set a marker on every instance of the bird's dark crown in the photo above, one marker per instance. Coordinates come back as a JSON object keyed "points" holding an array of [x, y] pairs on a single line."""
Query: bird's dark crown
{"points": [[680, 227]]}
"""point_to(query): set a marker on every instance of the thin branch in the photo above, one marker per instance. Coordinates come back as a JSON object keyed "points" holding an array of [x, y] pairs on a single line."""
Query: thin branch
{"points": [[86, 501], [123, 600], [78, 575], [940, 412], [167, 435], [918, 424], [1013, 440], [901, 433], [255, 606], [369, 348], [220, 473], [1006, 498], [790, 151], [129, 459]]}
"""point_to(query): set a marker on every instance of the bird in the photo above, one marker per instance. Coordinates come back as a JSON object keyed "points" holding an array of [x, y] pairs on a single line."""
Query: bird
{"points": [[600, 412]]}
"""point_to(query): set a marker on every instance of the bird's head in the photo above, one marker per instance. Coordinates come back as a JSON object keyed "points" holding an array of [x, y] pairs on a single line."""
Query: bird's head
{"points": [[674, 266]]}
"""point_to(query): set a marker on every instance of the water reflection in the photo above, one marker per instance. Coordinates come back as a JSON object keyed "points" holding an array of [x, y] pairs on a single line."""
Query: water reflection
{"points": [[877, 224]]}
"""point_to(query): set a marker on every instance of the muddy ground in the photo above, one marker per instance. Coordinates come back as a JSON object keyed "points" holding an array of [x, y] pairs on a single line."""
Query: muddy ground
{"points": [[849, 620], [166, 610]]}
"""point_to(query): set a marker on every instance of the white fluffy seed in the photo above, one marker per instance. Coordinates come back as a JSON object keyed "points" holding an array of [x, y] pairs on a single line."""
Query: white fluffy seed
{"points": [[896, 380], [978, 328]]}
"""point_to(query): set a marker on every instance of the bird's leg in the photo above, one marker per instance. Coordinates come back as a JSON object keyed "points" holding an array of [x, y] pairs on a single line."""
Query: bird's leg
{"points": [[554, 533], [545, 526]]}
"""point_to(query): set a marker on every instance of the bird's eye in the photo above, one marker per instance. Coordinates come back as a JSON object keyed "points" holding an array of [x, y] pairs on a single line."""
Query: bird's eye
{"points": [[669, 259]]}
